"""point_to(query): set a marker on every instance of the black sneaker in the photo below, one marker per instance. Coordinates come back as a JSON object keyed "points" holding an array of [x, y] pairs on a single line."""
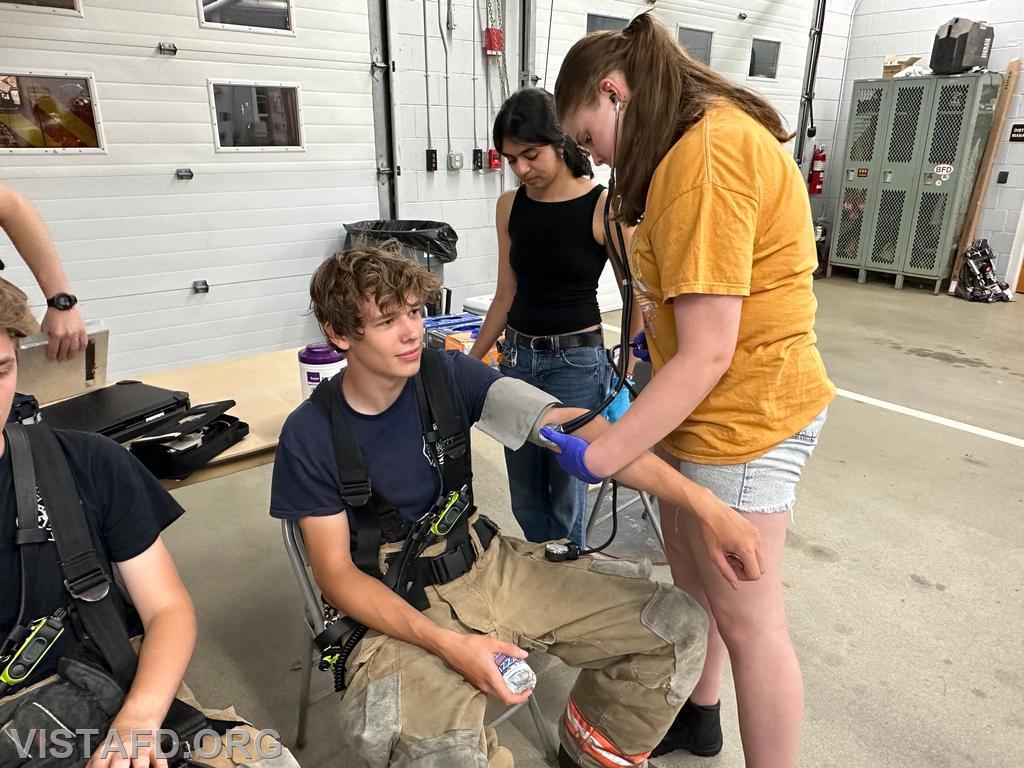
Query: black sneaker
{"points": [[696, 729]]}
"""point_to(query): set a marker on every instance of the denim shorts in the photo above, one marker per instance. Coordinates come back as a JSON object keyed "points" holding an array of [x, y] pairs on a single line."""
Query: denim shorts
{"points": [[766, 484]]}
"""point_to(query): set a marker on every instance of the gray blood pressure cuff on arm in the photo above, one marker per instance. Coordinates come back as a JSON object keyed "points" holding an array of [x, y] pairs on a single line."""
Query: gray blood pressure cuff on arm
{"points": [[512, 412]]}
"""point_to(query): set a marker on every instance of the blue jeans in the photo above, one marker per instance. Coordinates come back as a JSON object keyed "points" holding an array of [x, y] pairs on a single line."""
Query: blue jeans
{"points": [[548, 503]]}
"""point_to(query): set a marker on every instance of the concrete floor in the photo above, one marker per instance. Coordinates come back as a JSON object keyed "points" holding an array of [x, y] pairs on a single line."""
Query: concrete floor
{"points": [[903, 570]]}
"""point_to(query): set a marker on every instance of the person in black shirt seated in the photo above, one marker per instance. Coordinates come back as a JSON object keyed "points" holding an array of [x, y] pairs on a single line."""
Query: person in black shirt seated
{"points": [[73, 703]]}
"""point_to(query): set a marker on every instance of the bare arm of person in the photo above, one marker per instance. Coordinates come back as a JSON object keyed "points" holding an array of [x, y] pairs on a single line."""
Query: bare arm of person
{"points": [[23, 224], [497, 313], [169, 621]]}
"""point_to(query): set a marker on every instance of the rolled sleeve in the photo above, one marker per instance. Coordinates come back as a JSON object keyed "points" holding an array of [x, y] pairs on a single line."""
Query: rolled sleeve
{"points": [[512, 412]]}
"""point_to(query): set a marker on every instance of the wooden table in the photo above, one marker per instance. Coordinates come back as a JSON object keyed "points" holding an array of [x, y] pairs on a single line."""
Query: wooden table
{"points": [[265, 389]]}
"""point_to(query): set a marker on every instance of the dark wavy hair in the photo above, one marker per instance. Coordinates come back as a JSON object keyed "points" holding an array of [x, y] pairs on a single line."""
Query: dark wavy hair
{"points": [[528, 116]]}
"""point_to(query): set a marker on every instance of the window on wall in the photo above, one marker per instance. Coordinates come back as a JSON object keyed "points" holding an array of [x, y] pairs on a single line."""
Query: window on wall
{"points": [[764, 58], [696, 43], [56, 5], [48, 112], [256, 116], [596, 21], [254, 15]]}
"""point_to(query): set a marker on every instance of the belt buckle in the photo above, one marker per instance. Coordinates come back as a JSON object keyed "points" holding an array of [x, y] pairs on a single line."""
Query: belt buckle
{"points": [[552, 343]]}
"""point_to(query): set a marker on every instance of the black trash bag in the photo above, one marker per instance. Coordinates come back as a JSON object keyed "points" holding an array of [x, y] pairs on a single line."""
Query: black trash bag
{"points": [[435, 238]]}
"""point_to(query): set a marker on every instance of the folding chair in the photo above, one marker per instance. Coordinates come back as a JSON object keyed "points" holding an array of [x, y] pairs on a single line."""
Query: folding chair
{"points": [[315, 621]]}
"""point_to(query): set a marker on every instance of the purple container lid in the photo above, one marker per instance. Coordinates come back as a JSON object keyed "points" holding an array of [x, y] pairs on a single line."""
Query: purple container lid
{"points": [[320, 354]]}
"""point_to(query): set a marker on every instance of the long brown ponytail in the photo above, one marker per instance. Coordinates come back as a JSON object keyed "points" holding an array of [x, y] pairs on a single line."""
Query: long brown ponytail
{"points": [[669, 92]]}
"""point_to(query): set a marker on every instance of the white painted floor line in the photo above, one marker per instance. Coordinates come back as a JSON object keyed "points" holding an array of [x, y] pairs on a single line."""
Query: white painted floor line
{"points": [[924, 416]]}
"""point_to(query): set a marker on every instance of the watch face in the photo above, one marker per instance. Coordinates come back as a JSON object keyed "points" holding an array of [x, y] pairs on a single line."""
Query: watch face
{"points": [[556, 549], [64, 301]]}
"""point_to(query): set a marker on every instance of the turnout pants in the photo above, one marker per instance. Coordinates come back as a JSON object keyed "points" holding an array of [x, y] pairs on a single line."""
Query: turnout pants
{"points": [[639, 645]]}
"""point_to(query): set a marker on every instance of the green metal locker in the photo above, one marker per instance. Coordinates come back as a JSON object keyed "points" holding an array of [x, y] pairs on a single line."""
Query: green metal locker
{"points": [[913, 150]]}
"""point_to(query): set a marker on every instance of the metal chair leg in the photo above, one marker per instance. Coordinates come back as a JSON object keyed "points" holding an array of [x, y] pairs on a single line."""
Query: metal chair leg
{"points": [[598, 502], [550, 751], [505, 715], [654, 518], [307, 674]]}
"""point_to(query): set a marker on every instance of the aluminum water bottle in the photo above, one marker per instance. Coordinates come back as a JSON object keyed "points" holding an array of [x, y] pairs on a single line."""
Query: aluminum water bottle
{"points": [[517, 673]]}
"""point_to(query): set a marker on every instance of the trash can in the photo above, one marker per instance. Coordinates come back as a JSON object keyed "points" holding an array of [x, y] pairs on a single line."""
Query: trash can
{"points": [[429, 243]]}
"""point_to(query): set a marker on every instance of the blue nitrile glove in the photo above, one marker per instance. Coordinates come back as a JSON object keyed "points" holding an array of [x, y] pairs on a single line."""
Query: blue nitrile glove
{"points": [[639, 347], [571, 459], [616, 409]]}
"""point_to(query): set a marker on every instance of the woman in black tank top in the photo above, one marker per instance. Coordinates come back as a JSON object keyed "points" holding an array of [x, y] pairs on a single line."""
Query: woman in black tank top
{"points": [[550, 257]]}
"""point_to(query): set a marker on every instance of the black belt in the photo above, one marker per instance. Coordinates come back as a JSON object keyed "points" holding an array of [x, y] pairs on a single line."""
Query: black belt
{"points": [[553, 343], [450, 565]]}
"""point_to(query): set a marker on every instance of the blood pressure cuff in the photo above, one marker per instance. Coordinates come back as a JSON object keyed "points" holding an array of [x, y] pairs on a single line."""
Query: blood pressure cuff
{"points": [[513, 411]]}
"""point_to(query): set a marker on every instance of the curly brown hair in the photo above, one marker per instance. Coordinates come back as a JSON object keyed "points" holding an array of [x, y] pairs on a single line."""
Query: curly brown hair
{"points": [[344, 282]]}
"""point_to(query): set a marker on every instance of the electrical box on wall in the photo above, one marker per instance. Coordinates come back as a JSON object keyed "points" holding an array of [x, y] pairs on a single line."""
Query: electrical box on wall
{"points": [[478, 159], [431, 160], [455, 161]]}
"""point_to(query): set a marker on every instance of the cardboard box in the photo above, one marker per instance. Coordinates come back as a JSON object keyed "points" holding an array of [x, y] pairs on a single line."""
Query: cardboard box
{"points": [[892, 64], [461, 339]]}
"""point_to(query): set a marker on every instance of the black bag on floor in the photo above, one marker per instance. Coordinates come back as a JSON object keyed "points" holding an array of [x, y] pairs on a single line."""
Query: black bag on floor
{"points": [[977, 279]]}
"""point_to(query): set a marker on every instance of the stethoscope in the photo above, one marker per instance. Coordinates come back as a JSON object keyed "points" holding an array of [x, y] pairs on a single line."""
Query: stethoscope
{"points": [[557, 551], [620, 265]]}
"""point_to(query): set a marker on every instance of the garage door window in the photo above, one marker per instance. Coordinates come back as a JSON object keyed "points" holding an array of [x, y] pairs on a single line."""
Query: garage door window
{"points": [[44, 112], [67, 7], [256, 117], [696, 43], [764, 58], [273, 16]]}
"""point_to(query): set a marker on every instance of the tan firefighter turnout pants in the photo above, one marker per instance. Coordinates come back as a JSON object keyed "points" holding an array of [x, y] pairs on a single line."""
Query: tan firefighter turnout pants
{"points": [[639, 646]]}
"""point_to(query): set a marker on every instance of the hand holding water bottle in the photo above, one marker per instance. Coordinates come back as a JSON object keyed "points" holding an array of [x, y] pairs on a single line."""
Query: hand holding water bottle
{"points": [[475, 658]]}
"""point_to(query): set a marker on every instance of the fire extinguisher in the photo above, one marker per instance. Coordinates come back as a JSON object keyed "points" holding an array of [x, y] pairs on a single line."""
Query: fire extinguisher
{"points": [[816, 177]]}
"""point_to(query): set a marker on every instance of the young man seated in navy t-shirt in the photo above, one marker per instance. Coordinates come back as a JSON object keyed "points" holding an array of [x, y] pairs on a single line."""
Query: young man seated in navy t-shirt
{"points": [[417, 681]]}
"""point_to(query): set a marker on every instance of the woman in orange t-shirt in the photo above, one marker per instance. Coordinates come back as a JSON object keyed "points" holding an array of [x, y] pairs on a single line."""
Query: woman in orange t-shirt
{"points": [[722, 259]]}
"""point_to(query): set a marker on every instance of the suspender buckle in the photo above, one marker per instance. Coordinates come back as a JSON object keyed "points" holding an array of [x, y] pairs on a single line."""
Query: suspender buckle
{"points": [[91, 586], [356, 492]]}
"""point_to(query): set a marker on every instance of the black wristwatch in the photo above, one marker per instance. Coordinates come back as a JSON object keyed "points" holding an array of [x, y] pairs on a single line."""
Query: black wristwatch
{"points": [[62, 301]]}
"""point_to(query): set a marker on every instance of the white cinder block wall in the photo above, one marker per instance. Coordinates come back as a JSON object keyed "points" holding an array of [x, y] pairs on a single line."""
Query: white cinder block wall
{"points": [[907, 28], [465, 199], [787, 22], [831, 68]]}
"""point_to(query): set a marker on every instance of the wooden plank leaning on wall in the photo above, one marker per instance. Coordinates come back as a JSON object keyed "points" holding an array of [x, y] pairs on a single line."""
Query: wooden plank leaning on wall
{"points": [[985, 170]]}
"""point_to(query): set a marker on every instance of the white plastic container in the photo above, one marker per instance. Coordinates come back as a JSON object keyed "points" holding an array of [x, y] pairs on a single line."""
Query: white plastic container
{"points": [[318, 362]]}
